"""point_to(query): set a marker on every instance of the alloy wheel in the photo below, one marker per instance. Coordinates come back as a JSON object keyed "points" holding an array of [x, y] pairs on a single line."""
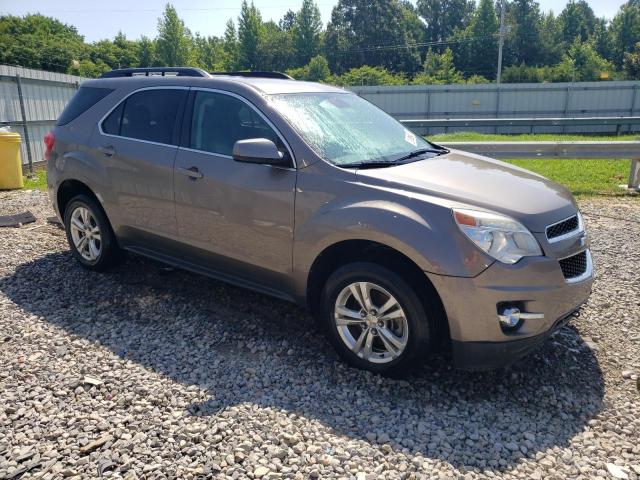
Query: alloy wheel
{"points": [[371, 322], [85, 234]]}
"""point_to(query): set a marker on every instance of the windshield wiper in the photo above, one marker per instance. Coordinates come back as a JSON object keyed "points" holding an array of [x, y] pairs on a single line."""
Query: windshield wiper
{"points": [[420, 151], [378, 164], [396, 161]]}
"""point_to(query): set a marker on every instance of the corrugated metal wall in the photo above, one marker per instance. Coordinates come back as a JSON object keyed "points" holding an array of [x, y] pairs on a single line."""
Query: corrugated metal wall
{"points": [[45, 95], [585, 99]]}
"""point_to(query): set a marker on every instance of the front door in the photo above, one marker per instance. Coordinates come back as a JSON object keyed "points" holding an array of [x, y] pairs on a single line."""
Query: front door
{"points": [[238, 217]]}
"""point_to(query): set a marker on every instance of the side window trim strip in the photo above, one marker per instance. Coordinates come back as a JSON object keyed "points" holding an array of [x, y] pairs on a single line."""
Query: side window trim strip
{"points": [[122, 101]]}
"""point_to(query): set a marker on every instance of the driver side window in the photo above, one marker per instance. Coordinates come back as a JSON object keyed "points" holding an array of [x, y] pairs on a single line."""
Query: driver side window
{"points": [[220, 120]]}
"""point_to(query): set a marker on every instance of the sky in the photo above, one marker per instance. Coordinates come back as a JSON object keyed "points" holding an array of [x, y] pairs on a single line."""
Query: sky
{"points": [[98, 20]]}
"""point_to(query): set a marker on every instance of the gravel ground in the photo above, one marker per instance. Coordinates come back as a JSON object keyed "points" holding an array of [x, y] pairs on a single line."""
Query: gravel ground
{"points": [[145, 372]]}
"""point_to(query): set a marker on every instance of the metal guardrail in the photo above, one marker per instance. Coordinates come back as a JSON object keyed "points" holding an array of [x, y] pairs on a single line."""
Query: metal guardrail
{"points": [[520, 122], [568, 150]]}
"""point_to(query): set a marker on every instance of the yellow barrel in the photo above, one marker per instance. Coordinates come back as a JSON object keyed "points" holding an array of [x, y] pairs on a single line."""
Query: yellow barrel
{"points": [[10, 161]]}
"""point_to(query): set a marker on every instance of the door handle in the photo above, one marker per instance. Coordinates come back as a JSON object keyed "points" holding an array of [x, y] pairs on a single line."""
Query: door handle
{"points": [[192, 172], [108, 150]]}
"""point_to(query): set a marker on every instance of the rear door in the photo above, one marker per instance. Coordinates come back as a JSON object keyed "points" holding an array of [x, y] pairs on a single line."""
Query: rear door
{"points": [[137, 141], [238, 217]]}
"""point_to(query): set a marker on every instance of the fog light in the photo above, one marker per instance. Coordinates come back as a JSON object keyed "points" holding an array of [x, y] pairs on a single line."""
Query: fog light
{"points": [[509, 317], [512, 318]]}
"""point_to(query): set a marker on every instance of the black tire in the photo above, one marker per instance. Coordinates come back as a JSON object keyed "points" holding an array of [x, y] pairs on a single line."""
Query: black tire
{"points": [[109, 252], [419, 317]]}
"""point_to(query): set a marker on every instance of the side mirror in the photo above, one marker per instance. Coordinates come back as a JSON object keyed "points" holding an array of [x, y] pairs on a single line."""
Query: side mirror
{"points": [[258, 150]]}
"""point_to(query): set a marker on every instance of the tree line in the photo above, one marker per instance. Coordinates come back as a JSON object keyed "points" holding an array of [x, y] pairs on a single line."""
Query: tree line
{"points": [[366, 42]]}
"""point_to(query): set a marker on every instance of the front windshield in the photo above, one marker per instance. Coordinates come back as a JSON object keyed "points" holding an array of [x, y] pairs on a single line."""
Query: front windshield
{"points": [[345, 129]]}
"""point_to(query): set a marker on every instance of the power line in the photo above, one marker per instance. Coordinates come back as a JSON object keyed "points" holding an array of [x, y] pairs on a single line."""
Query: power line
{"points": [[403, 46], [187, 9]]}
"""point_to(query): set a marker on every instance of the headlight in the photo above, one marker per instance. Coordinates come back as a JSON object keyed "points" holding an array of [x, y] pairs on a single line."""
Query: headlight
{"points": [[504, 238]]}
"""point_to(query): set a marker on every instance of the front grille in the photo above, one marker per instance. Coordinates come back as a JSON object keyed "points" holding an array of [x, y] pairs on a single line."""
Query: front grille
{"points": [[574, 266], [563, 227]]}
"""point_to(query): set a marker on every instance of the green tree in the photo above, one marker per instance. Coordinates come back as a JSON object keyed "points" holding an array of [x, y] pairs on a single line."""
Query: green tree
{"points": [[126, 51], [577, 20], [307, 30], [581, 64], [476, 79], [250, 32], [523, 43], [601, 39], [288, 21], [208, 53], [230, 47], [40, 42], [369, 32], [367, 75], [174, 43], [415, 28], [551, 43], [632, 63], [146, 52], [275, 50], [478, 53], [317, 70], [438, 69], [524, 74], [86, 68], [444, 17], [106, 52], [625, 30]]}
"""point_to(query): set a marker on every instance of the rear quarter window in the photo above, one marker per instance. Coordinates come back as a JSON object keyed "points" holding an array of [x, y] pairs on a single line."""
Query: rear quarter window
{"points": [[84, 99]]}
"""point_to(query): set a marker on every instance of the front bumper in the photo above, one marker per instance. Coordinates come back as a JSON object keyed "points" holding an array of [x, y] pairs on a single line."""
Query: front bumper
{"points": [[534, 284], [492, 355]]}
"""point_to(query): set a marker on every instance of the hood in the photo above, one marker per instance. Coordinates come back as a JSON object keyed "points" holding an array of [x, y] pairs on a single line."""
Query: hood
{"points": [[480, 182]]}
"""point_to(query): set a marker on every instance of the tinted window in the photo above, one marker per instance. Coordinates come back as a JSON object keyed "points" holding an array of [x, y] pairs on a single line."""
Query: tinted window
{"points": [[219, 121], [84, 99], [111, 124], [148, 115]]}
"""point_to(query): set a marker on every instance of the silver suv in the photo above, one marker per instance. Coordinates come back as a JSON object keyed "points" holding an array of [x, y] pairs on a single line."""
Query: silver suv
{"points": [[311, 194]]}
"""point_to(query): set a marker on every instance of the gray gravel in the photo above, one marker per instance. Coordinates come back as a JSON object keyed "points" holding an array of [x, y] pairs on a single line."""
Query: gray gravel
{"points": [[145, 372]]}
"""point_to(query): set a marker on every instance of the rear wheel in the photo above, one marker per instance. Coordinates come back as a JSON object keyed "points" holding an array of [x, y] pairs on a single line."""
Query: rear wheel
{"points": [[89, 234], [375, 319]]}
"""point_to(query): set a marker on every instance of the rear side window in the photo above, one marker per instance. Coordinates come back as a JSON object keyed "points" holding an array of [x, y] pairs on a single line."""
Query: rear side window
{"points": [[148, 115], [84, 99]]}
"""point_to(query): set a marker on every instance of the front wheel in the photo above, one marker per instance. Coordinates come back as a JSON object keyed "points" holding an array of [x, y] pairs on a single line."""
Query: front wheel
{"points": [[375, 319]]}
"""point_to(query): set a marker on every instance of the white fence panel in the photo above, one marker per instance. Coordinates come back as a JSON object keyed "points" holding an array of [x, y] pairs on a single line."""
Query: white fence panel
{"points": [[44, 95]]}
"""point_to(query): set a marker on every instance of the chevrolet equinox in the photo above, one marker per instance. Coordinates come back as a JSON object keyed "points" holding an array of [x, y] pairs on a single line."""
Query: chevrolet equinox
{"points": [[311, 194]]}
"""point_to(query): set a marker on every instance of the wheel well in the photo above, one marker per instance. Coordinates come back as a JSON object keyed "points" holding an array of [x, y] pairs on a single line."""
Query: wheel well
{"points": [[69, 189], [349, 251]]}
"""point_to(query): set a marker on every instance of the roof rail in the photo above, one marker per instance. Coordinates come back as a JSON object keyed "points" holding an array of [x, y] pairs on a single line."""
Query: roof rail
{"points": [[279, 75], [156, 71]]}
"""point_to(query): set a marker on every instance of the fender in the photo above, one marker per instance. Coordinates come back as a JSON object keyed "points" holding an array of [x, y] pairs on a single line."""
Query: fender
{"points": [[417, 231]]}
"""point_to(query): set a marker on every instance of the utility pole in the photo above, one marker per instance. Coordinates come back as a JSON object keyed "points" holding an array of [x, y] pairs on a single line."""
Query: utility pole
{"points": [[500, 42]]}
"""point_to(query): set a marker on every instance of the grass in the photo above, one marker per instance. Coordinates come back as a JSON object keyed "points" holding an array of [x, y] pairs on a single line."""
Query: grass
{"points": [[583, 177], [37, 181], [526, 137]]}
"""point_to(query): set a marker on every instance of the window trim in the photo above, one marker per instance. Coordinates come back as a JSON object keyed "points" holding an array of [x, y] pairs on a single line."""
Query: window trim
{"points": [[255, 109], [124, 99], [188, 109]]}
